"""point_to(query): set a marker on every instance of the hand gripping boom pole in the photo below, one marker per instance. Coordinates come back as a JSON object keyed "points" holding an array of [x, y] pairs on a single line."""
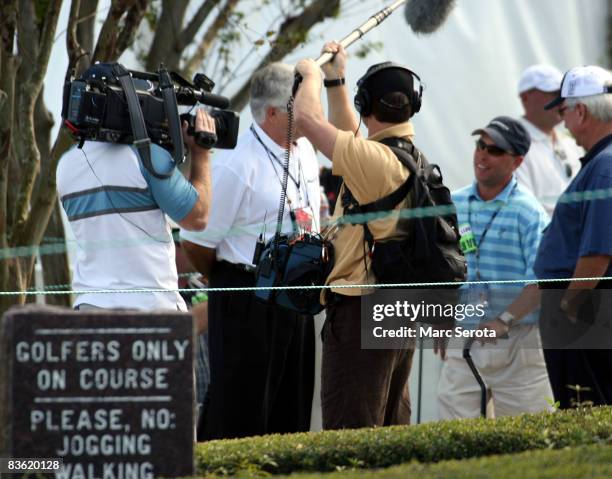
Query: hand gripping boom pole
{"points": [[360, 31], [355, 35]]}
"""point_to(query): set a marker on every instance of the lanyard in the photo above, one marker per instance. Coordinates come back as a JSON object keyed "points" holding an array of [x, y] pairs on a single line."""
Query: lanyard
{"points": [[486, 228], [272, 157]]}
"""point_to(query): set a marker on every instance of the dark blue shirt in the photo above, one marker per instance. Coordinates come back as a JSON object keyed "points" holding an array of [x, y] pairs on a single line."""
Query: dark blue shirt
{"points": [[582, 221]]}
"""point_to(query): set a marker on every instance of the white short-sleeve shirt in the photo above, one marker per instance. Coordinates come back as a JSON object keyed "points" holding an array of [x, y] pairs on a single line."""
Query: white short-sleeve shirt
{"points": [[123, 240], [548, 168], [246, 190]]}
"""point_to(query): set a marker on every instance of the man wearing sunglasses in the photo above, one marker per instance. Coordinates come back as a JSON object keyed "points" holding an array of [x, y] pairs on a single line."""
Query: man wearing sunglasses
{"points": [[501, 224]]}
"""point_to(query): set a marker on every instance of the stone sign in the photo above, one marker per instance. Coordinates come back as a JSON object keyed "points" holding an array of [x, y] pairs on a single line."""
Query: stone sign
{"points": [[110, 393]]}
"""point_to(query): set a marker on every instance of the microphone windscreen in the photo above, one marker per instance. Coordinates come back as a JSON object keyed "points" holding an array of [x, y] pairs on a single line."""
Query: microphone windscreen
{"points": [[426, 16]]}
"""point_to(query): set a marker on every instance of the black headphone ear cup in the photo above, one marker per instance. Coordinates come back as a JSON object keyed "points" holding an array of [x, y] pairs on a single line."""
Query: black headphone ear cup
{"points": [[362, 102], [358, 101], [416, 100]]}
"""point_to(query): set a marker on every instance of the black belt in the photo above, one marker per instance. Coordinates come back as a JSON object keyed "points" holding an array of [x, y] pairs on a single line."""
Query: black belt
{"points": [[603, 284], [554, 285], [243, 268], [333, 299]]}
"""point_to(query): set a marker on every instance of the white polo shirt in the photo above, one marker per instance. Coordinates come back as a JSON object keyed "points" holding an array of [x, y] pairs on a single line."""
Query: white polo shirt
{"points": [[117, 212], [548, 168], [246, 190]]}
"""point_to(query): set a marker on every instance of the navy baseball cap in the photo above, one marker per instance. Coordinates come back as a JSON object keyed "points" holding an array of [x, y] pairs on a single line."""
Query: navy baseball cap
{"points": [[507, 133]]}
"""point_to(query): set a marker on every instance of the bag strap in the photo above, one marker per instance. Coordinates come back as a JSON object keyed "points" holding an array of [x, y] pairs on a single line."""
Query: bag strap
{"points": [[174, 122], [141, 139], [405, 152]]}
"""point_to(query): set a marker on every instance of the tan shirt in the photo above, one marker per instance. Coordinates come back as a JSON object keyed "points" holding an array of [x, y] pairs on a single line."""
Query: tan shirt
{"points": [[371, 171]]}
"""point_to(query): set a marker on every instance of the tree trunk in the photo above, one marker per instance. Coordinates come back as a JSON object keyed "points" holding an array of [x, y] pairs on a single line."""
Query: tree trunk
{"points": [[167, 30], [56, 269], [18, 282], [55, 266], [85, 32]]}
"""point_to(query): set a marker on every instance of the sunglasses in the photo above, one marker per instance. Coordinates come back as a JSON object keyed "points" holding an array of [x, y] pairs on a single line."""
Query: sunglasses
{"points": [[492, 150]]}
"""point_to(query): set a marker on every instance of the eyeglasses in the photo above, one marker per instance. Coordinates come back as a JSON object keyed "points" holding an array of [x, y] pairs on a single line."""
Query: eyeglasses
{"points": [[562, 110], [492, 150]]}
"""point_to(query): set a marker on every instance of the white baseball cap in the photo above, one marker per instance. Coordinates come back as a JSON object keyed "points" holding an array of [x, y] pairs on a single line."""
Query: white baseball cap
{"points": [[541, 77], [583, 81]]}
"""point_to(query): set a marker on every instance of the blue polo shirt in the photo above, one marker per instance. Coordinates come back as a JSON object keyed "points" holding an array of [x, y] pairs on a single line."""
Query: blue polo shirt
{"points": [[582, 221], [513, 221]]}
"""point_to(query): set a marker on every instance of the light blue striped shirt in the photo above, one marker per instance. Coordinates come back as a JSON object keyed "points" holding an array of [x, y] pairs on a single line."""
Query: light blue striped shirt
{"points": [[509, 247]]}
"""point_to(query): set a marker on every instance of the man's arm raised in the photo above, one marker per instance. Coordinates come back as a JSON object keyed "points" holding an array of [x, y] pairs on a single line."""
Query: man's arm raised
{"points": [[339, 106], [309, 117]]}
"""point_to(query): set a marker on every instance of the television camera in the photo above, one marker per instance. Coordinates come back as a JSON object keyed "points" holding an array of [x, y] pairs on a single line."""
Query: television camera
{"points": [[113, 104]]}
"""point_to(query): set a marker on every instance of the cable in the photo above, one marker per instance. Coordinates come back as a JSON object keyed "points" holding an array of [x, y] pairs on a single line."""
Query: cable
{"points": [[116, 209], [283, 197]]}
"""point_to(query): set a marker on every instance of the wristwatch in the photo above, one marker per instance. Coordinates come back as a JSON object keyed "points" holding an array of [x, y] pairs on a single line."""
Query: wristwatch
{"points": [[507, 318], [333, 83]]}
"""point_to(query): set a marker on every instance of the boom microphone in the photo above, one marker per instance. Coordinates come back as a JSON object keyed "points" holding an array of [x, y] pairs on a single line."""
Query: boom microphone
{"points": [[360, 31], [423, 16], [426, 16]]}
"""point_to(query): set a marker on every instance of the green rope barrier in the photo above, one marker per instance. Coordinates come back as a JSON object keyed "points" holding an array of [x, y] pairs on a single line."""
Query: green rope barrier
{"points": [[57, 247], [286, 288]]}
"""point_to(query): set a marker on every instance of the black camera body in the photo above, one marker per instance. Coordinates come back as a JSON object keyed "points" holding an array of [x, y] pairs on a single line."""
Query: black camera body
{"points": [[95, 107], [225, 121]]}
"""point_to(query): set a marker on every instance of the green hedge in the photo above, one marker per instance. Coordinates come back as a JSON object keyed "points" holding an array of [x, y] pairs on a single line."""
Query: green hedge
{"points": [[383, 447], [593, 461]]}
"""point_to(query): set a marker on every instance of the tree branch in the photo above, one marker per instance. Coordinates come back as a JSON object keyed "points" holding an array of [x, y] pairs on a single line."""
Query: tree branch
{"points": [[27, 36], [45, 45], [72, 42], [207, 41], [27, 92], [191, 30], [8, 26], [127, 33], [7, 84], [45, 197], [107, 40], [166, 33], [8, 70], [86, 23], [292, 32]]}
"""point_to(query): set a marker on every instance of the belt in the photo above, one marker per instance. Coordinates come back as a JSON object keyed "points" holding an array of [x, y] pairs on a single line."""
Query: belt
{"points": [[603, 284], [554, 285], [243, 268], [333, 299]]}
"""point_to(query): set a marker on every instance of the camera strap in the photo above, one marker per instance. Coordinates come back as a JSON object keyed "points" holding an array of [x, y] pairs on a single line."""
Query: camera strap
{"points": [[141, 139], [174, 122]]}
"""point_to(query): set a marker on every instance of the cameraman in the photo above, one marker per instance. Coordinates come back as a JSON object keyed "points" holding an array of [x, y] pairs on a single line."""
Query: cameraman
{"points": [[117, 211]]}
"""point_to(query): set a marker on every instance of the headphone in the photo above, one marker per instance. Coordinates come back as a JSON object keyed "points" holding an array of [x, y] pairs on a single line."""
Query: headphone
{"points": [[363, 98]]}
